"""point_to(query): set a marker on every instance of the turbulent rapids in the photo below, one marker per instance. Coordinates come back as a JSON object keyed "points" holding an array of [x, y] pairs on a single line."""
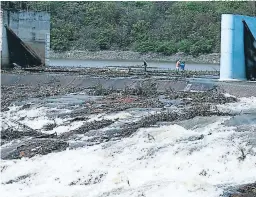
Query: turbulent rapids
{"points": [[132, 141]]}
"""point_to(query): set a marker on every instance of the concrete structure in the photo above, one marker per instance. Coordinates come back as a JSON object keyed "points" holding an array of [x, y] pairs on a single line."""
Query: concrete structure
{"points": [[239, 89], [47, 49], [30, 27], [1, 30], [232, 63]]}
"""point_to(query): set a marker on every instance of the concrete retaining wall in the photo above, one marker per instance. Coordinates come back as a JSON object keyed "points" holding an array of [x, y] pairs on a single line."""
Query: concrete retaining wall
{"points": [[31, 27]]}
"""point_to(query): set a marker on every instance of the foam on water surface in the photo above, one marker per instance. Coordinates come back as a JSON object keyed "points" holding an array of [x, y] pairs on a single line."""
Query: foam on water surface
{"points": [[151, 167], [168, 161], [244, 105]]}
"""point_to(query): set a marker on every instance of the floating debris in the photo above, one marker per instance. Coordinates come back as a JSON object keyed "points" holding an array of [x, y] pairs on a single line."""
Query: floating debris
{"points": [[33, 147]]}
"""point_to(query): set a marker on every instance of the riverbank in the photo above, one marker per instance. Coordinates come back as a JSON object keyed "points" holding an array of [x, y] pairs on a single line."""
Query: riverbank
{"points": [[213, 58]]}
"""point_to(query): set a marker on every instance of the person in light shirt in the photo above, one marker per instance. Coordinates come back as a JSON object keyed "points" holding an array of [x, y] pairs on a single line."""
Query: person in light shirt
{"points": [[178, 65]]}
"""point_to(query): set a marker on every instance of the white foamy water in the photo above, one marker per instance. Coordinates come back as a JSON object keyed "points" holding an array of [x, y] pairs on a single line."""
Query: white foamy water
{"points": [[244, 105], [158, 161], [36, 118]]}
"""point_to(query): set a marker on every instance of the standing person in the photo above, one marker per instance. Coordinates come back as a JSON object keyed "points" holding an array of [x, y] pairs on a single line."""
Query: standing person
{"points": [[145, 65], [182, 65], [178, 65]]}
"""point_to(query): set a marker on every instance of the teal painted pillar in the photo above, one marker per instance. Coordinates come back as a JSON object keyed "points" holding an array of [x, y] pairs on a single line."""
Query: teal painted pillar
{"points": [[227, 45]]}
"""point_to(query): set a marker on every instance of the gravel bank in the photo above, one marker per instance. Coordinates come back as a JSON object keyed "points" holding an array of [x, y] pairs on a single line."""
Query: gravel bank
{"points": [[213, 58]]}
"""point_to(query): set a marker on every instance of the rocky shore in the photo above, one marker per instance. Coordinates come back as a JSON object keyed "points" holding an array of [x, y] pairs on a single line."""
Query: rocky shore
{"points": [[213, 58]]}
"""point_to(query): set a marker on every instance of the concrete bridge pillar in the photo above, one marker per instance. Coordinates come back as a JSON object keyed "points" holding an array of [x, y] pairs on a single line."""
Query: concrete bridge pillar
{"points": [[232, 62], [33, 28], [47, 49]]}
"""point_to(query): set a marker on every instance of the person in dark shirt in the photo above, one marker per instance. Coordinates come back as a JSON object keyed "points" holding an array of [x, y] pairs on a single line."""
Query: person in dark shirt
{"points": [[145, 65], [182, 65]]}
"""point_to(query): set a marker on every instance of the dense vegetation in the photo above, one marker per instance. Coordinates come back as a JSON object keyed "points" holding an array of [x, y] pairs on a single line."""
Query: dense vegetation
{"points": [[165, 27]]}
